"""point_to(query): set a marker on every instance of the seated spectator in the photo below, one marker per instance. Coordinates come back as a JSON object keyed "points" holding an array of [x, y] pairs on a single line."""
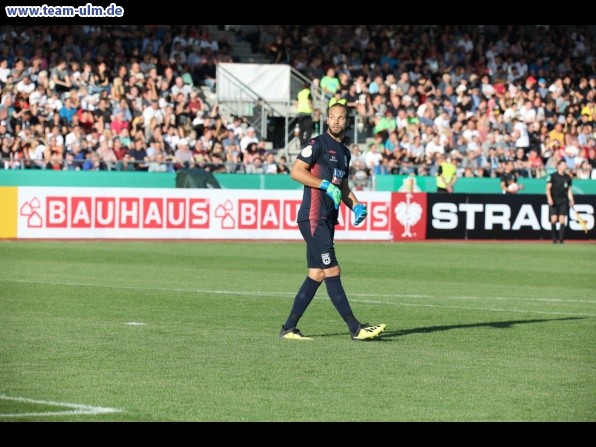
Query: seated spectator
{"points": [[282, 167], [270, 164], [67, 111], [255, 166], [159, 164]]}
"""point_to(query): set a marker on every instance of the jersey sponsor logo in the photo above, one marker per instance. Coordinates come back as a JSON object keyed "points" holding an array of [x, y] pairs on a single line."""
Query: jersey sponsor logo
{"points": [[326, 258], [307, 151], [338, 175]]}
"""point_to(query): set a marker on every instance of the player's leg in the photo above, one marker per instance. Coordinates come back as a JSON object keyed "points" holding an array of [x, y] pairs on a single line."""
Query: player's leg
{"points": [[323, 251], [552, 211], [563, 212], [325, 237], [562, 225], [309, 287]]}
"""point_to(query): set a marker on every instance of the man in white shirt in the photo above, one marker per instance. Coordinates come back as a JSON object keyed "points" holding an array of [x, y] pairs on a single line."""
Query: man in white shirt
{"points": [[250, 137], [520, 133], [434, 146]]}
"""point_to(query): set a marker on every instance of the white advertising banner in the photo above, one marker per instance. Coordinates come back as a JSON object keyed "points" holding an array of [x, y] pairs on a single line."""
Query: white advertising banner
{"points": [[154, 213], [268, 81]]}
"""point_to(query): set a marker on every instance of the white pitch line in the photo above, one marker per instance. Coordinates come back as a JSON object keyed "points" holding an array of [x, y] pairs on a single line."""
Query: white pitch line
{"points": [[279, 294], [492, 309], [79, 409]]}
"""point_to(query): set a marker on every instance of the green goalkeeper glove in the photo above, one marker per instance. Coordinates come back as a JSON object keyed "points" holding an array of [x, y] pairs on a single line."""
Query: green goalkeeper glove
{"points": [[332, 191], [360, 213]]}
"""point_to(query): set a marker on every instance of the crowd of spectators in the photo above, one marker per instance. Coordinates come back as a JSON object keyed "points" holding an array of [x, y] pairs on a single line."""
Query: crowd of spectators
{"points": [[128, 97]]}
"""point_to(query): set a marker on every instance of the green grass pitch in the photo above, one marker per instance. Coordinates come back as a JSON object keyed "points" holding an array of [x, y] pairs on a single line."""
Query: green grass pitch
{"points": [[188, 331]]}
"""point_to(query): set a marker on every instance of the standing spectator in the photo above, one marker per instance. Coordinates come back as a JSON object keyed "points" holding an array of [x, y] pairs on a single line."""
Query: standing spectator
{"points": [[329, 83], [59, 78], [305, 109], [446, 173]]}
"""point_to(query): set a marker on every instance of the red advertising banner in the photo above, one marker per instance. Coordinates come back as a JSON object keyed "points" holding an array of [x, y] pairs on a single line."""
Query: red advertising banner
{"points": [[408, 216]]}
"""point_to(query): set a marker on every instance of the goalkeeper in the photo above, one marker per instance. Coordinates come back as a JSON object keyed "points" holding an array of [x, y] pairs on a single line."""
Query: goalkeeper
{"points": [[322, 167]]}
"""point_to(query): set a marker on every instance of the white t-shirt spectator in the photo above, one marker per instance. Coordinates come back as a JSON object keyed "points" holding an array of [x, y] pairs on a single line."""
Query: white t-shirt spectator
{"points": [[372, 158], [153, 112], [250, 137], [523, 140], [434, 146], [25, 86]]}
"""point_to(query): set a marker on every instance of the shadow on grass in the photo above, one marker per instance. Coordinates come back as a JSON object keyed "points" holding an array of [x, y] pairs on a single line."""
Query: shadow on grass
{"points": [[494, 324], [426, 330]]}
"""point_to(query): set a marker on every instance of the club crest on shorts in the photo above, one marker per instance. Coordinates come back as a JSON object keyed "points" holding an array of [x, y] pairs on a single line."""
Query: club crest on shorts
{"points": [[326, 258]]}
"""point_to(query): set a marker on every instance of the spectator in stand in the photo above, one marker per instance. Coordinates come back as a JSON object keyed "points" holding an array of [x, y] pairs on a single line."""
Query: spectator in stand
{"points": [[92, 162], [67, 111], [250, 137], [118, 123], [584, 172], [270, 164], [107, 155], [329, 83], [139, 154], [59, 78], [282, 167], [566, 97], [159, 164], [183, 157], [255, 166]]}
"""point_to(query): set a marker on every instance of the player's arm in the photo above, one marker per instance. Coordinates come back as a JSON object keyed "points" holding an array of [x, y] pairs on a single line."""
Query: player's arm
{"points": [[301, 173], [549, 197], [349, 198], [570, 195], [440, 174]]}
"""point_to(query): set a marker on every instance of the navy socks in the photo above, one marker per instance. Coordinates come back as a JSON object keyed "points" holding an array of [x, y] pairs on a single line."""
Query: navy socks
{"points": [[301, 301]]}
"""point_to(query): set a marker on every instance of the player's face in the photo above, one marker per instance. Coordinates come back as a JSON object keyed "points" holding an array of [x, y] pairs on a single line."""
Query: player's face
{"points": [[337, 120]]}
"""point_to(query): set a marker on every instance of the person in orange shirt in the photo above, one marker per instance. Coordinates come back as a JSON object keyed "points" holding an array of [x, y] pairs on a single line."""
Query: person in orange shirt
{"points": [[558, 134]]}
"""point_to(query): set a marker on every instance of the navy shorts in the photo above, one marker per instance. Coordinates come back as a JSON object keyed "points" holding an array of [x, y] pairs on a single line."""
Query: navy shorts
{"points": [[559, 209], [318, 235]]}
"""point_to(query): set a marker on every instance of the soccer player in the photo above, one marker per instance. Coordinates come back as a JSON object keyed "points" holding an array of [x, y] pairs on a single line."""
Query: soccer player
{"points": [[559, 197], [322, 167], [509, 183]]}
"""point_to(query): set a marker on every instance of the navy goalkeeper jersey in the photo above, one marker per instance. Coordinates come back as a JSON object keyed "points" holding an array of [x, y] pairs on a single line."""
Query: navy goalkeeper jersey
{"points": [[328, 160]]}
